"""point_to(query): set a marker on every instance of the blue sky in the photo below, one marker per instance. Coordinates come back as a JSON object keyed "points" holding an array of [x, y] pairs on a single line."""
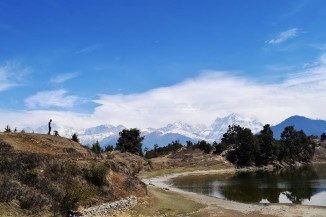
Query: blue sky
{"points": [[147, 63]]}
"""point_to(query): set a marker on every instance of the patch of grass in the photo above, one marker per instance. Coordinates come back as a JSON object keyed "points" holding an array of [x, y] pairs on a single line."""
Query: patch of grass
{"points": [[162, 172], [163, 202]]}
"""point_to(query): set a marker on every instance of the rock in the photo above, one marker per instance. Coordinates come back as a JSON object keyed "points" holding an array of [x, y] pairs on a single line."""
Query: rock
{"points": [[105, 209]]}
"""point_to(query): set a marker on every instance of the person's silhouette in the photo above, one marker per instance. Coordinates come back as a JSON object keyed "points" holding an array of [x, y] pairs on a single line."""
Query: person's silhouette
{"points": [[50, 126]]}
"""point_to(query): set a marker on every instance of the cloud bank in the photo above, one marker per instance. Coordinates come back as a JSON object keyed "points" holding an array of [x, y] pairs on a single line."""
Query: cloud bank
{"points": [[198, 100], [215, 94]]}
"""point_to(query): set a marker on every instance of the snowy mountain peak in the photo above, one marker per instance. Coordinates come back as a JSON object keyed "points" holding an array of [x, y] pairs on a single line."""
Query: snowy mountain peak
{"points": [[220, 125], [103, 129], [177, 126], [235, 119]]}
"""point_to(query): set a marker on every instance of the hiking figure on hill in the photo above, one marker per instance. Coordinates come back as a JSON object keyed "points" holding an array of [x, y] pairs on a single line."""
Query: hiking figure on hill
{"points": [[50, 126]]}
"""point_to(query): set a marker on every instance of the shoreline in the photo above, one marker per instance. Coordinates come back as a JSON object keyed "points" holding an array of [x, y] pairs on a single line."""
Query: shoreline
{"points": [[212, 203]]}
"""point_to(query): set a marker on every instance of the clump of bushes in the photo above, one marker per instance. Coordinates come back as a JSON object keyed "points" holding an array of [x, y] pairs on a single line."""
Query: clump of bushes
{"points": [[97, 174], [74, 194]]}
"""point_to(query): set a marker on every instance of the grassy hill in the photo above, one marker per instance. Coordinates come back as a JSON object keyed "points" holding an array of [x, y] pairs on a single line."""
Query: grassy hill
{"points": [[45, 175]]}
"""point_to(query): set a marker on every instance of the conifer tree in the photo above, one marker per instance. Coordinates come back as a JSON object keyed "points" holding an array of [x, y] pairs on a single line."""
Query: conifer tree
{"points": [[7, 129]]}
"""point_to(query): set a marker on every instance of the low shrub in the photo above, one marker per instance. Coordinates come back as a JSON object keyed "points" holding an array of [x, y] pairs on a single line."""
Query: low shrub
{"points": [[74, 194], [97, 174]]}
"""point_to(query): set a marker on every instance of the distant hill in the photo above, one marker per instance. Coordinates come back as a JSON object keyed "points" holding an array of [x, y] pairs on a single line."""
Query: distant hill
{"points": [[309, 126]]}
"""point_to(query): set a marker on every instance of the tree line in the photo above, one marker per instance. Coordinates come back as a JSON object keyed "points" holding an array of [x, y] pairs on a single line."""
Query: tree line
{"points": [[243, 148], [238, 144]]}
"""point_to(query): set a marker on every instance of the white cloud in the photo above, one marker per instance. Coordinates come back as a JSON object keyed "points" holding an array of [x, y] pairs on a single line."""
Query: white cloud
{"points": [[284, 36], [47, 99], [216, 94], [12, 74], [197, 100], [89, 49], [63, 78]]}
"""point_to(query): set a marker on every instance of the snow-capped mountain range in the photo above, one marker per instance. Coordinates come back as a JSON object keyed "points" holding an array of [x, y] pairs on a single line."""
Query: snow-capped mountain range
{"points": [[108, 134]]}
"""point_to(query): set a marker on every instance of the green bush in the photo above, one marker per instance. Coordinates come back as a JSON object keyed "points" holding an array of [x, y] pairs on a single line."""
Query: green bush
{"points": [[96, 148], [74, 194], [97, 175], [29, 178]]}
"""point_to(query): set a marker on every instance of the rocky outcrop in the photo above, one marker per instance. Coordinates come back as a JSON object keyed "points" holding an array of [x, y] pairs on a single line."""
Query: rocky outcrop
{"points": [[107, 209]]}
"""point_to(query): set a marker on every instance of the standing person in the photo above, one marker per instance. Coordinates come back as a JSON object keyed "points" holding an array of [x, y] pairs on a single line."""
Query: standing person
{"points": [[50, 126]]}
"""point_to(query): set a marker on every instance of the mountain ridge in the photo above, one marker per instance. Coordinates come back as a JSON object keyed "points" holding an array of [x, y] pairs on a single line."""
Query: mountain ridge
{"points": [[309, 126], [108, 134]]}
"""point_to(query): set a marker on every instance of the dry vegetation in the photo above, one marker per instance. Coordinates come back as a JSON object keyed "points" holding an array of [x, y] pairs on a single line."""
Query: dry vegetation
{"points": [[320, 152], [42, 175], [185, 160]]}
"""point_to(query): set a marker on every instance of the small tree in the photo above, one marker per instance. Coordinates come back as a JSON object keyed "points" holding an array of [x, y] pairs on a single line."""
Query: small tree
{"points": [[219, 148], [74, 137], [241, 145], [295, 145], [205, 146], [109, 148], [322, 137], [7, 129], [130, 141], [190, 145], [267, 145], [96, 148]]}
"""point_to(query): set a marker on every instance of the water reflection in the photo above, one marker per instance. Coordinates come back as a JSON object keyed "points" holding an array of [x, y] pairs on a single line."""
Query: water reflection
{"points": [[304, 185]]}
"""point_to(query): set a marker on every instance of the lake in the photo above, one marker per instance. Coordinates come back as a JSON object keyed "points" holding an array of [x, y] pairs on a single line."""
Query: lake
{"points": [[301, 185]]}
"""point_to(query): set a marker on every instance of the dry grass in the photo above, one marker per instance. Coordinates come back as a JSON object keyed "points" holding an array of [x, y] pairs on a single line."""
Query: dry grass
{"points": [[185, 160], [320, 153], [164, 203], [168, 171], [45, 144], [221, 212], [47, 174]]}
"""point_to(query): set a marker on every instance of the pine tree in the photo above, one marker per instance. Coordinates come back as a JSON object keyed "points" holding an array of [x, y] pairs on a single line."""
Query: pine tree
{"points": [[7, 129], [96, 148], [109, 148]]}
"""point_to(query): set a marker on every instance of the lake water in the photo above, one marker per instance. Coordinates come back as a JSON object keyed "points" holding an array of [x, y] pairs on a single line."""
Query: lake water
{"points": [[303, 185]]}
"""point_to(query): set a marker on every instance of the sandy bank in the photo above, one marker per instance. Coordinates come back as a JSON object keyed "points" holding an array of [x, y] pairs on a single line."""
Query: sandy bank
{"points": [[213, 203]]}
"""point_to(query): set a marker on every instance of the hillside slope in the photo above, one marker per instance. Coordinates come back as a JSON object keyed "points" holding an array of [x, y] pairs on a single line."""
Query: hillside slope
{"points": [[44, 175]]}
